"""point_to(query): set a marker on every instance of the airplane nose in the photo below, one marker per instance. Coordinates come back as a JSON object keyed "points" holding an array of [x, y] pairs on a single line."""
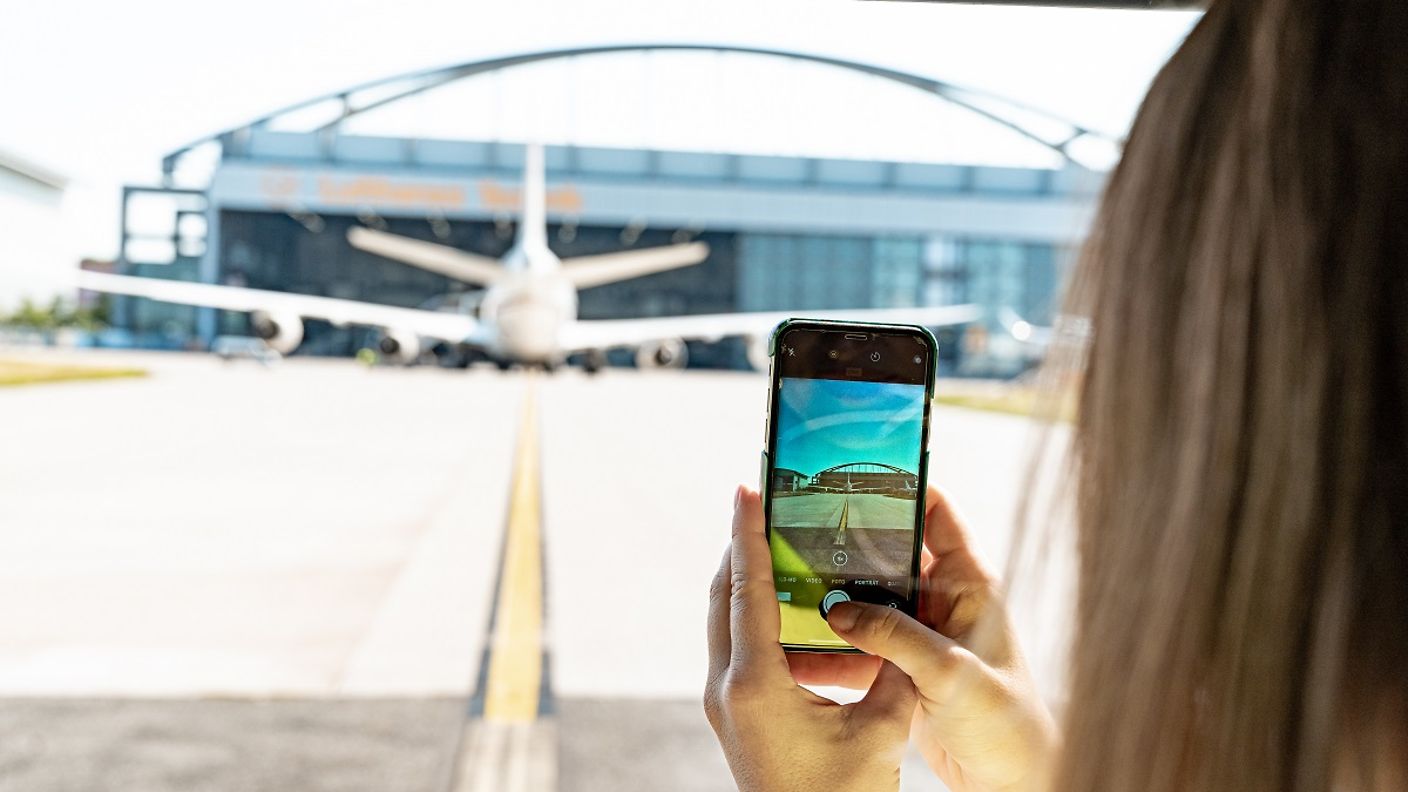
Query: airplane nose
{"points": [[529, 334]]}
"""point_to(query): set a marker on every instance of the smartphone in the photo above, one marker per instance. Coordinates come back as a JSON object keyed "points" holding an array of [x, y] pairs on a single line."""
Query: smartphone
{"points": [[845, 470]]}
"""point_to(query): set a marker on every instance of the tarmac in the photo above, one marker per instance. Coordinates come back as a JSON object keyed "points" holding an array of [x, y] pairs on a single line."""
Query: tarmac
{"points": [[863, 510], [231, 576]]}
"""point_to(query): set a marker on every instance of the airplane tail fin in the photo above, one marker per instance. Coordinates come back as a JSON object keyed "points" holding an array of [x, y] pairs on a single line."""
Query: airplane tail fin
{"points": [[532, 223]]}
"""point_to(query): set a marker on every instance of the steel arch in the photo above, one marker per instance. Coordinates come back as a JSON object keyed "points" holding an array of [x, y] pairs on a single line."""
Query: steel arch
{"points": [[891, 468], [968, 99]]}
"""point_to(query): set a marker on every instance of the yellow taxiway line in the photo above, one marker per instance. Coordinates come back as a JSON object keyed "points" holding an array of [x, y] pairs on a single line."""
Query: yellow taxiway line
{"points": [[515, 673], [845, 517], [509, 748]]}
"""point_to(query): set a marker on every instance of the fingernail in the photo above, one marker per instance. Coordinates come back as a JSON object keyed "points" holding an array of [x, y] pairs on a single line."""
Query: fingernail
{"points": [[843, 616], [737, 497]]}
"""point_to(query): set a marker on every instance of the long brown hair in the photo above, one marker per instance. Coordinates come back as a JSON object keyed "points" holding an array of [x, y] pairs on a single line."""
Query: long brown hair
{"points": [[1241, 446]]}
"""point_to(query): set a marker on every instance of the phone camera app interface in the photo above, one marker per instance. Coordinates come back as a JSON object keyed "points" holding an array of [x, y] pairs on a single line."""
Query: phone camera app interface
{"points": [[844, 490]]}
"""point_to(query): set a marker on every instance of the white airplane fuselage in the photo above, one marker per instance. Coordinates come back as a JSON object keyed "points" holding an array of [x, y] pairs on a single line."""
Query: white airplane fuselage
{"points": [[527, 309]]}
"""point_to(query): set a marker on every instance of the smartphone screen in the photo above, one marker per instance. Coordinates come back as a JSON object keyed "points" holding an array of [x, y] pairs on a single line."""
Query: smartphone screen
{"points": [[846, 471]]}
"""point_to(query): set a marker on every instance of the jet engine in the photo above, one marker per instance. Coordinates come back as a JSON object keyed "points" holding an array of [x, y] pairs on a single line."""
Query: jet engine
{"points": [[282, 332], [667, 353], [399, 346]]}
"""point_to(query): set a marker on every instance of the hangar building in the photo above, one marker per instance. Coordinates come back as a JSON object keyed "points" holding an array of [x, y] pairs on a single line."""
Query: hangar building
{"points": [[785, 233]]}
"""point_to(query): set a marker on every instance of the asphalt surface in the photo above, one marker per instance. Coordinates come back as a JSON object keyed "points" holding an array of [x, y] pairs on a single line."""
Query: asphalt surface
{"points": [[188, 745], [859, 535], [321, 745], [865, 553], [823, 509], [232, 577]]}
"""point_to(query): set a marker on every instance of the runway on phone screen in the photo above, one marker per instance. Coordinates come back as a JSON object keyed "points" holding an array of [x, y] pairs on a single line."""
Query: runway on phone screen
{"points": [[854, 534], [305, 576]]}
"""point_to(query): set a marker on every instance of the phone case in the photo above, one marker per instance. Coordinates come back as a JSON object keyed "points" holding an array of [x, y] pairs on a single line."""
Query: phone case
{"points": [[765, 468]]}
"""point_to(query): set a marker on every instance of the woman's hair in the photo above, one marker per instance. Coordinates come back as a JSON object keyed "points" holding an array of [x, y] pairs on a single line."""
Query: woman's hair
{"points": [[1241, 445]]}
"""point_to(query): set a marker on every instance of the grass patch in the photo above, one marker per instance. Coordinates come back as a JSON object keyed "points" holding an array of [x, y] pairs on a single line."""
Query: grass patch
{"points": [[1014, 400], [14, 372]]}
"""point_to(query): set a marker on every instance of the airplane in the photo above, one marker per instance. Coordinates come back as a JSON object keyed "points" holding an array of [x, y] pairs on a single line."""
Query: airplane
{"points": [[528, 311]]}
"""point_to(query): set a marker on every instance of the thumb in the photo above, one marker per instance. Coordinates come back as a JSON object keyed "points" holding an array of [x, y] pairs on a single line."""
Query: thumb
{"points": [[933, 661]]}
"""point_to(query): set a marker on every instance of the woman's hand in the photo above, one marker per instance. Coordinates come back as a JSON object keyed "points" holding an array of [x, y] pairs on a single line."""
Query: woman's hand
{"points": [[778, 736], [979, 724]]}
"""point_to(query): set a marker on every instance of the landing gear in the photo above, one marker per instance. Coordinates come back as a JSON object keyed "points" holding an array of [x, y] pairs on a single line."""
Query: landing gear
{"points": [[460, 357], [594, 361], [502, 364]]}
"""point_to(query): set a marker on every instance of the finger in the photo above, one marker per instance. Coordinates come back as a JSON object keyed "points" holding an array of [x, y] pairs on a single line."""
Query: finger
{"points": [[718, 619], [755, 621], [891, 698], [947, 538], [853, 671], [944, 528], [930, 659]]}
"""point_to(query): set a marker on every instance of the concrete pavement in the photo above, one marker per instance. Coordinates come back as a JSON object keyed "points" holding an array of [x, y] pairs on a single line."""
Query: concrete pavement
{"points": [[314, 534]]}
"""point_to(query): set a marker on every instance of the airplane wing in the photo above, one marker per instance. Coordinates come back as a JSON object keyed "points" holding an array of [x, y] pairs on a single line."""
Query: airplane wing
{"points": [[430, 324], [461, 265], [608, 333], [588, 271]]}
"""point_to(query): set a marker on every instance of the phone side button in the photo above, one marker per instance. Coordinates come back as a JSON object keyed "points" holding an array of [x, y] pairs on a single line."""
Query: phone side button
{"points": [[763, 472], [923, 497]]}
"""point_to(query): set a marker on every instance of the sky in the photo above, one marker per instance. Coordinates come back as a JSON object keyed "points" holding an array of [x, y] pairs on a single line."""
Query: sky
{"points": [[99, 91], [823, 423]]}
